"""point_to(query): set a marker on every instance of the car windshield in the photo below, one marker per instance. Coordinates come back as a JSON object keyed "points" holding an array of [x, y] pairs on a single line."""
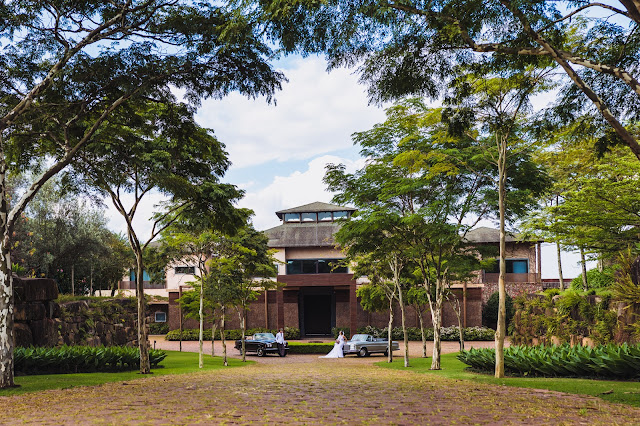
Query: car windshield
{"points": [[359, 338], [263, 336]]}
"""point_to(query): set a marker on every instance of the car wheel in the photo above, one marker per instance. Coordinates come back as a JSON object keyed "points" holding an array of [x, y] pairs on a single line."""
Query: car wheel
{"points": [[260, 351], [386, 352], [363, 352]]}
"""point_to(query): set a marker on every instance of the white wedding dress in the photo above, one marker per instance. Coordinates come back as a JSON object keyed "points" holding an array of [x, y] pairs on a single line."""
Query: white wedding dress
{"points": [[336, 352]]}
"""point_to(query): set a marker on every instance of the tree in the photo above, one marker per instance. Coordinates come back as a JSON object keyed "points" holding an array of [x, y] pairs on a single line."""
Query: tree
{"points": [[416, 191], [417, 298], [68, 67], [163, 150], [496, 106], [410, 47]]}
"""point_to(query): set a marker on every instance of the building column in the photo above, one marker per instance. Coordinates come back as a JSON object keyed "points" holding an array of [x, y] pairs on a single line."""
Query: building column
{"points": [[280, 307], [353, 309]]}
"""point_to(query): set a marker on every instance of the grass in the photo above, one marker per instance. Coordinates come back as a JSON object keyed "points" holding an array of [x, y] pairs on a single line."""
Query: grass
{"points": [[622, 392], [174, 363]]}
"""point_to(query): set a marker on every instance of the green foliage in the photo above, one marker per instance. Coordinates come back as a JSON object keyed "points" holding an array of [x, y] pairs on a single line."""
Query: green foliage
{"points": [[450, 334], [595, 279], [490, 310], [604, 361], [158, 328], [290, 333], [309, 348], [565, 317], [81, 359]]}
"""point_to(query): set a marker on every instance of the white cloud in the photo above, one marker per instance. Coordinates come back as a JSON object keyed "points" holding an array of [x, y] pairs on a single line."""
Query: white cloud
{"points": [[316, 113], [142, 223], [300, 187]]}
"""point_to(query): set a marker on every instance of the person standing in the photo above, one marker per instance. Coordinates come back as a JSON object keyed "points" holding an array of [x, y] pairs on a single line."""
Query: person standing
{"points": [[281, 343], [337, 351]]}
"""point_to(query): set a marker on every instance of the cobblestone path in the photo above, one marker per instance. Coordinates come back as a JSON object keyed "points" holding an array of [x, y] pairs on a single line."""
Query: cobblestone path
{"points": [[318, 391]]}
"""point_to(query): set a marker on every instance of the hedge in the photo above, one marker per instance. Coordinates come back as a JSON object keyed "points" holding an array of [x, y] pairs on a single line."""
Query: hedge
{"points": [[290, 333], [604, 361], [446, 333], [80, 359], [310, 348]]}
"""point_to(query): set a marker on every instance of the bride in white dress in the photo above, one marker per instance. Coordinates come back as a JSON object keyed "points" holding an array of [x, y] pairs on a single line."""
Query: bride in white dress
{"points": [[337, 352]]}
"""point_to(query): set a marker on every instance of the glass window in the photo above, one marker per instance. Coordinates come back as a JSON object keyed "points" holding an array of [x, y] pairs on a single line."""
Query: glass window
{"points": [[161, 316], [294, 267], [189, 270], [309, 267], [292, 217], [517, 266], [339, 215], [323, 266], [132, 275], [324, 217], [308, 217]]}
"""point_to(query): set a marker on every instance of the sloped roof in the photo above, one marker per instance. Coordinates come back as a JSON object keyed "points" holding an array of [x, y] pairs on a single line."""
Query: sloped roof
{"points": [[303, 235], [315, 207], [484, 234]]}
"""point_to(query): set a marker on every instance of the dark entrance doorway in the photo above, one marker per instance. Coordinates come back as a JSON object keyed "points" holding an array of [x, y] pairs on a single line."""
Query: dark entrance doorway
{"points": [[317, 308]]}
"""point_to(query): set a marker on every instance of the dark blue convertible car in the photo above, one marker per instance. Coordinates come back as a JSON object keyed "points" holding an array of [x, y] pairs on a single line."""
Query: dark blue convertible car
{"points": [[261, 344]]}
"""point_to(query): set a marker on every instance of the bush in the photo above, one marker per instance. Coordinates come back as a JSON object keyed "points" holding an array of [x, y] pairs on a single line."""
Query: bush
{"points": [[158, 328], [80, 359], [310, 348], [446, 333], [490, 311], [605, 361], [336, 330], [595, 279], [290, 333]]}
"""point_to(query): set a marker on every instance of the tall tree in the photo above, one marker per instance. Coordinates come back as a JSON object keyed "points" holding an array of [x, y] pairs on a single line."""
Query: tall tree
{"points": [[67, 67], [162, 150], [418, 188], [410, 47]]}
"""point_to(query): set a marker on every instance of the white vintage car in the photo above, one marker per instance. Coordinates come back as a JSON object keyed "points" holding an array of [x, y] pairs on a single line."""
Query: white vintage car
{"points": [[366, 344]]}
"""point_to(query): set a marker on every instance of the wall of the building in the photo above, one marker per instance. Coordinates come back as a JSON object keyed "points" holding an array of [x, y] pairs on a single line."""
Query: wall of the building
{"points": [[256, 314]]}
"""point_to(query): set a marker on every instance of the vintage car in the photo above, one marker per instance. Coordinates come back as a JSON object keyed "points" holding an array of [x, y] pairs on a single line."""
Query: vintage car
{"points": [[366, 344], [261, 344]]}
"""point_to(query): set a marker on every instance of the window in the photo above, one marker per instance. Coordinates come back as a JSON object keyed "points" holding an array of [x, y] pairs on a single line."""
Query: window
{"points": [[308, 217], [292, 217], [132, 275], [340, 215], [188, 270], [324, 217], [161, 316], [514, 266], [315, 266]]}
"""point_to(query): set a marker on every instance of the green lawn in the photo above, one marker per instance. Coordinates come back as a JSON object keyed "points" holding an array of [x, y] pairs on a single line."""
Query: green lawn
{"points": [[613, 391], [174, 363]]}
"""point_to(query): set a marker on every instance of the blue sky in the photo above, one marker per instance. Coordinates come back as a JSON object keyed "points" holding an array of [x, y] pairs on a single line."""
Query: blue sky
{"points": [[279, 151]]}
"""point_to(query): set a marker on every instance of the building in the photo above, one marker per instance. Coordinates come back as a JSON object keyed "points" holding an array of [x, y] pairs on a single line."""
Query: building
{"points": [[318, 290]]}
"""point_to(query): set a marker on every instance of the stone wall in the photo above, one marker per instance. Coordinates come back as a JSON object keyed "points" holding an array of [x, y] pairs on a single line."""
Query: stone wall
{"points": [[40, 321], [111, 322], [513, 289]]}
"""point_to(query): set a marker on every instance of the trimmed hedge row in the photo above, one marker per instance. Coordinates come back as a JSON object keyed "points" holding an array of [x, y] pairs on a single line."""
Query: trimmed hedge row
{"points": [[604, 361], [80, 359], [310, 348], [446, 333], [290, 333]]}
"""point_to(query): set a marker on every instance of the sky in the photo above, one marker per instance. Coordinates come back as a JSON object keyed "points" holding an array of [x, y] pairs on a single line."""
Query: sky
{"points": [[279, 151]]}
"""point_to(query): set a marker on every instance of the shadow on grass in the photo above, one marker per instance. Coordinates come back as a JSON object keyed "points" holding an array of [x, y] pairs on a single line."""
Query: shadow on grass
{"points": [[174, 363], [623, 392]]}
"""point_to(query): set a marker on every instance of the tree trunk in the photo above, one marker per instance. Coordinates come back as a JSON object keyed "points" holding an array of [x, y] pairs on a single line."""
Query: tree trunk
{"points": [[242, 327], [560, 278], [143, 343], [6, 289], [389, 334], [502, 310], [201, 335], [404, 327], [222, 337], [436, 319], [424, 337], [583, 261], [213, 335], [73, 282]]}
